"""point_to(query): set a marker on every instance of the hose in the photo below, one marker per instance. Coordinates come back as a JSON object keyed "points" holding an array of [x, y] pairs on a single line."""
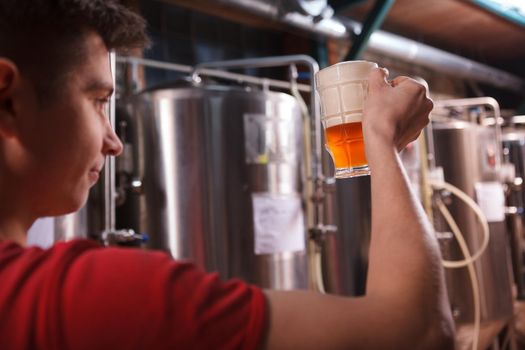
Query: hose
{"points": [[319, 271], [316, 266], [305, 123], [479, 214], [470, 266]]}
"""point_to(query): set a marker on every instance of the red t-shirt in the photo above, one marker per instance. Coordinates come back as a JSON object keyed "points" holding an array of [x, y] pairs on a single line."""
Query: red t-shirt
{"points": [[77, 295]]}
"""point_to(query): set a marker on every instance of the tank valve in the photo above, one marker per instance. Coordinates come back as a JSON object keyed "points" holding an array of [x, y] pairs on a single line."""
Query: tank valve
{"points": [[136, 185], [329, 185], [319, 232], [124, 238]]}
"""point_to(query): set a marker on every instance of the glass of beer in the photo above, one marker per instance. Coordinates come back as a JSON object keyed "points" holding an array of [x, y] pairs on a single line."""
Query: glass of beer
{"points": [[342, 89]]}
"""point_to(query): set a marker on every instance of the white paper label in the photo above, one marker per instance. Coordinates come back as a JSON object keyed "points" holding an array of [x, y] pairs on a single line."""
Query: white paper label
{"points": [[491, 200], [278, 223]]}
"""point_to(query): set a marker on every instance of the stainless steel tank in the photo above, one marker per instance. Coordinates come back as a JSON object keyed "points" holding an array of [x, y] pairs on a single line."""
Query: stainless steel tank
{"points": [[467, 153], [345, 251], [513, 139], [221, 180]]}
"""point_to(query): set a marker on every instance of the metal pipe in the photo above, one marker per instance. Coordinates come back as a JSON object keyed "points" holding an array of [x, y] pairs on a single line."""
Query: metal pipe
{"points": [[279, 84], [440, 61], [109, 169], [387, 44], [327, 27]]}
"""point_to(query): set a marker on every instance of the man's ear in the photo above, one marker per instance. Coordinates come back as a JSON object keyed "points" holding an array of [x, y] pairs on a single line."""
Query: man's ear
{"points": [[9, 75]]}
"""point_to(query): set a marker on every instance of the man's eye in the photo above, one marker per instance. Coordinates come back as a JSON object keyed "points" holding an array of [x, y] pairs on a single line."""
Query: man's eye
{"points": [[102, 102]]}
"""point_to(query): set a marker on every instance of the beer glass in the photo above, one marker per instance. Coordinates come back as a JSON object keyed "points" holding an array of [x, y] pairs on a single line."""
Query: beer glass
{"points": [[342, 90]]}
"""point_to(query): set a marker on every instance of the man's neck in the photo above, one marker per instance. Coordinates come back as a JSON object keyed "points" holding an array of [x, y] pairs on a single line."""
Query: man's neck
{"points": [[14, 226], [13, 232]]}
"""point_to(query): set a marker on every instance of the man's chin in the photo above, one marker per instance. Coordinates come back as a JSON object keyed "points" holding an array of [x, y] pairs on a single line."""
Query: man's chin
{"points": [[69, 206]]}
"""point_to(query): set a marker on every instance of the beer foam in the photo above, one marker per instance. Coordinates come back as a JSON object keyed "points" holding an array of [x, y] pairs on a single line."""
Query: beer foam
{"points": [[344, 72], [343, 98], [342, 119]]}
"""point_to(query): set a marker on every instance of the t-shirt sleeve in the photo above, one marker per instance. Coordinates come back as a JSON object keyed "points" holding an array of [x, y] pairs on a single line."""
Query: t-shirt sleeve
{"points": [[131, 299]]}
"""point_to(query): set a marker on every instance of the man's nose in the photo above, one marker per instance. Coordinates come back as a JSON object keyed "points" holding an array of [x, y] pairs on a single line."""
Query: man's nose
{"points": [[112, 144]]}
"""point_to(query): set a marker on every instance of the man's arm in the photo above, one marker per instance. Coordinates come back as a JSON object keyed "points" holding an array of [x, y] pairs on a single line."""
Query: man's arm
{"points": [[406, 306]]}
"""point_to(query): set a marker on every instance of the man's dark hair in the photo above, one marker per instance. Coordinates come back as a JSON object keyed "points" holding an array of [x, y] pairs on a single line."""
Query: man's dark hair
{"points": [[44, 37]]}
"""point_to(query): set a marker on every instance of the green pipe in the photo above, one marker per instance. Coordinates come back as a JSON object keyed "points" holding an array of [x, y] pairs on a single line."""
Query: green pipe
{"points": [[373, 21], [521, 108], [508, 12], [322, 54]]}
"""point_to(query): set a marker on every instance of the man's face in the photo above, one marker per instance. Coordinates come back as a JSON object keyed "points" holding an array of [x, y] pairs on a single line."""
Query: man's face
{"points": [[63, 142]]}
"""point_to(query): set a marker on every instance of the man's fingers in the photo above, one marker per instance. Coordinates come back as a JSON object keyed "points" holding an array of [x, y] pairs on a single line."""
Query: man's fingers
{"points": [[398, 80], [377, 78], [413, 84]]}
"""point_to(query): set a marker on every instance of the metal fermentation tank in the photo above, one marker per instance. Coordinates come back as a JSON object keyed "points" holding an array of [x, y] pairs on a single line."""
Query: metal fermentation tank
{"points": [[468, 154], [345, 250], [513, 139], [219, 166]]}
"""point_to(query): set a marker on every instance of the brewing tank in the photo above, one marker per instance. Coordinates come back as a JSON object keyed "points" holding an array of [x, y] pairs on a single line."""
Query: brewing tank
{"points": [[345, 250], [468, 154], [221, 176], [513, 139]]}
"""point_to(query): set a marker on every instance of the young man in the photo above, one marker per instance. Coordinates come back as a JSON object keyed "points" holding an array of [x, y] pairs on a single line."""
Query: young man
{"points": [[54, 83]]}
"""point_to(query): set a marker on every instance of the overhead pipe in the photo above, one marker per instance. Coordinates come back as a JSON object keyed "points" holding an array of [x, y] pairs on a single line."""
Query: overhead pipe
{"points": [[386, 44], [326, 27], [441, 61]]}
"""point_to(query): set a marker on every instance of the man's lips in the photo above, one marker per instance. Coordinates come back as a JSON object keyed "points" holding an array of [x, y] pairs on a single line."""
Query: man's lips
{"points": [[94, 172], [94, 175]]}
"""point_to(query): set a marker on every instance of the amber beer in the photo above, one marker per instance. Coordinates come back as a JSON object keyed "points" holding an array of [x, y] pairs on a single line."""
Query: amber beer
{"points": [[346, 146]]}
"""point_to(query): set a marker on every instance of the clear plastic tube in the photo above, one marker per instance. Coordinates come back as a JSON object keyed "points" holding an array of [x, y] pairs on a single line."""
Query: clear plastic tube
{"points": [[479, 214], [316, 266], [471, 270]]}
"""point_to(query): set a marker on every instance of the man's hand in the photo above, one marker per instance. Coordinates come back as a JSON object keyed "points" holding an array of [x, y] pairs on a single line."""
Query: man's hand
{"points": [[395, 112]]}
